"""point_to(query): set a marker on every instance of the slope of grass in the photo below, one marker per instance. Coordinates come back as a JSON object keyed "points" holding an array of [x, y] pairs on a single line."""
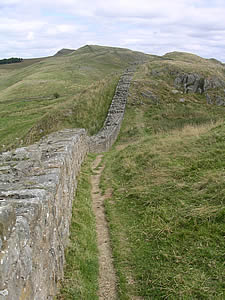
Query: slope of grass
{"points": [[166, 213], [168, 66], [83, 80], [86, 110]]}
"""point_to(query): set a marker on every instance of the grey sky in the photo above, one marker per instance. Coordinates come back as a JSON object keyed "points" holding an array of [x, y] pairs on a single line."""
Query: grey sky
{"points": [[42, 27]]}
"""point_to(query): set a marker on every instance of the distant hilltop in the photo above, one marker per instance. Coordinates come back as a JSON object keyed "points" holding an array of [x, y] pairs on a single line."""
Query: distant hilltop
{"points": [[64, 51]]}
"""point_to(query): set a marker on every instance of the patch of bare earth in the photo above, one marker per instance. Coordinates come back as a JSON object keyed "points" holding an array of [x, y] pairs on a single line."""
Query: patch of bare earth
{"points": [[107, 277]]}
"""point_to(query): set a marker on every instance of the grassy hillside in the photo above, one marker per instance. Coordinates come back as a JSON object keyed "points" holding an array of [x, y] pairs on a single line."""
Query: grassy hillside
{"points": [[43, 95], [166, 212], [166, 171]]}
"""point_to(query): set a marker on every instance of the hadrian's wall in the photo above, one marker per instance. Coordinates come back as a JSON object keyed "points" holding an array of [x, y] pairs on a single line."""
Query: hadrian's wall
{"points": [[104, 139], [37, 186]]}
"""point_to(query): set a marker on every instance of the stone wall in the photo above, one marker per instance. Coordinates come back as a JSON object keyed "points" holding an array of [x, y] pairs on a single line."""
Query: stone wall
{"points": [[37, 186], [104, 139]]}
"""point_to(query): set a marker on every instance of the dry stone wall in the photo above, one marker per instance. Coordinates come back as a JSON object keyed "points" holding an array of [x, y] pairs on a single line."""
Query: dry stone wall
{"points": [[104, 139], [37, 186]]}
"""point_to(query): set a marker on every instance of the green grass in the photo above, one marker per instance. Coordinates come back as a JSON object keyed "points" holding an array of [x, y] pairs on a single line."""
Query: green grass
{"points": [[167, 212], [81, 270], [85, 81], [76, 112]]}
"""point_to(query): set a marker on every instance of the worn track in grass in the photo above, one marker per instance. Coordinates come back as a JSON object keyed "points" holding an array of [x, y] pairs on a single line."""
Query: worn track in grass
{"points": [[107, 277]]}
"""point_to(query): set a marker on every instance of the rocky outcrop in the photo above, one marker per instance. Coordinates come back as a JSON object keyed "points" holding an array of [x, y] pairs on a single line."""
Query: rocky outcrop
{"points": [[195, 83], [37, 186], [190, 83], [217, 100]]}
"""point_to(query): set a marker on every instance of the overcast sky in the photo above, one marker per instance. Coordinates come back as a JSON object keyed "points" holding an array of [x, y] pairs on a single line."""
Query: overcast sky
{"points": [[36, 28]]}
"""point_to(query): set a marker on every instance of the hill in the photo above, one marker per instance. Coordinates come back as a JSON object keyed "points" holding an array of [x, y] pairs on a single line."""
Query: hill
{"points": [[44, 95], [166, 176], [164, 187]]}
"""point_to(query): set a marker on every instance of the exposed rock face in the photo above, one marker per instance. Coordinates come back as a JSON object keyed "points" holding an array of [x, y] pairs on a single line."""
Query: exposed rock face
{"points": [[191, 83], [218, 100], [194, 83], [37, 185]]}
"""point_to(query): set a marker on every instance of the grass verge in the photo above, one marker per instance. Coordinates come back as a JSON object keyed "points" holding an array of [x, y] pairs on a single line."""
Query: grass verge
{"points": [[167, 216], [167, 212], [81, 269]]}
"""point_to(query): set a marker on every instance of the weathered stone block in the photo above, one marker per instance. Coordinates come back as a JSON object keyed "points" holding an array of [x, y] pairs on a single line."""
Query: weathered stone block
{"points": [[7, 221]]}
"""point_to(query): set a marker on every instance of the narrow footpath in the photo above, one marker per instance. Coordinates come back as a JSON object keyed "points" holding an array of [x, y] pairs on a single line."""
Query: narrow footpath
{"points": [[107, 277]]}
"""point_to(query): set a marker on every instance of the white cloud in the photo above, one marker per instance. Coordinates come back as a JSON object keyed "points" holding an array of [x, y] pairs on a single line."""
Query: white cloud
{"points": [[38, 27], [30, 36], [61, 29]]}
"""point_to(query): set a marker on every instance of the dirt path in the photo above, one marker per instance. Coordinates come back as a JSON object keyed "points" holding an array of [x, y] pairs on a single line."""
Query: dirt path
{"points": [[107, 277]]}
